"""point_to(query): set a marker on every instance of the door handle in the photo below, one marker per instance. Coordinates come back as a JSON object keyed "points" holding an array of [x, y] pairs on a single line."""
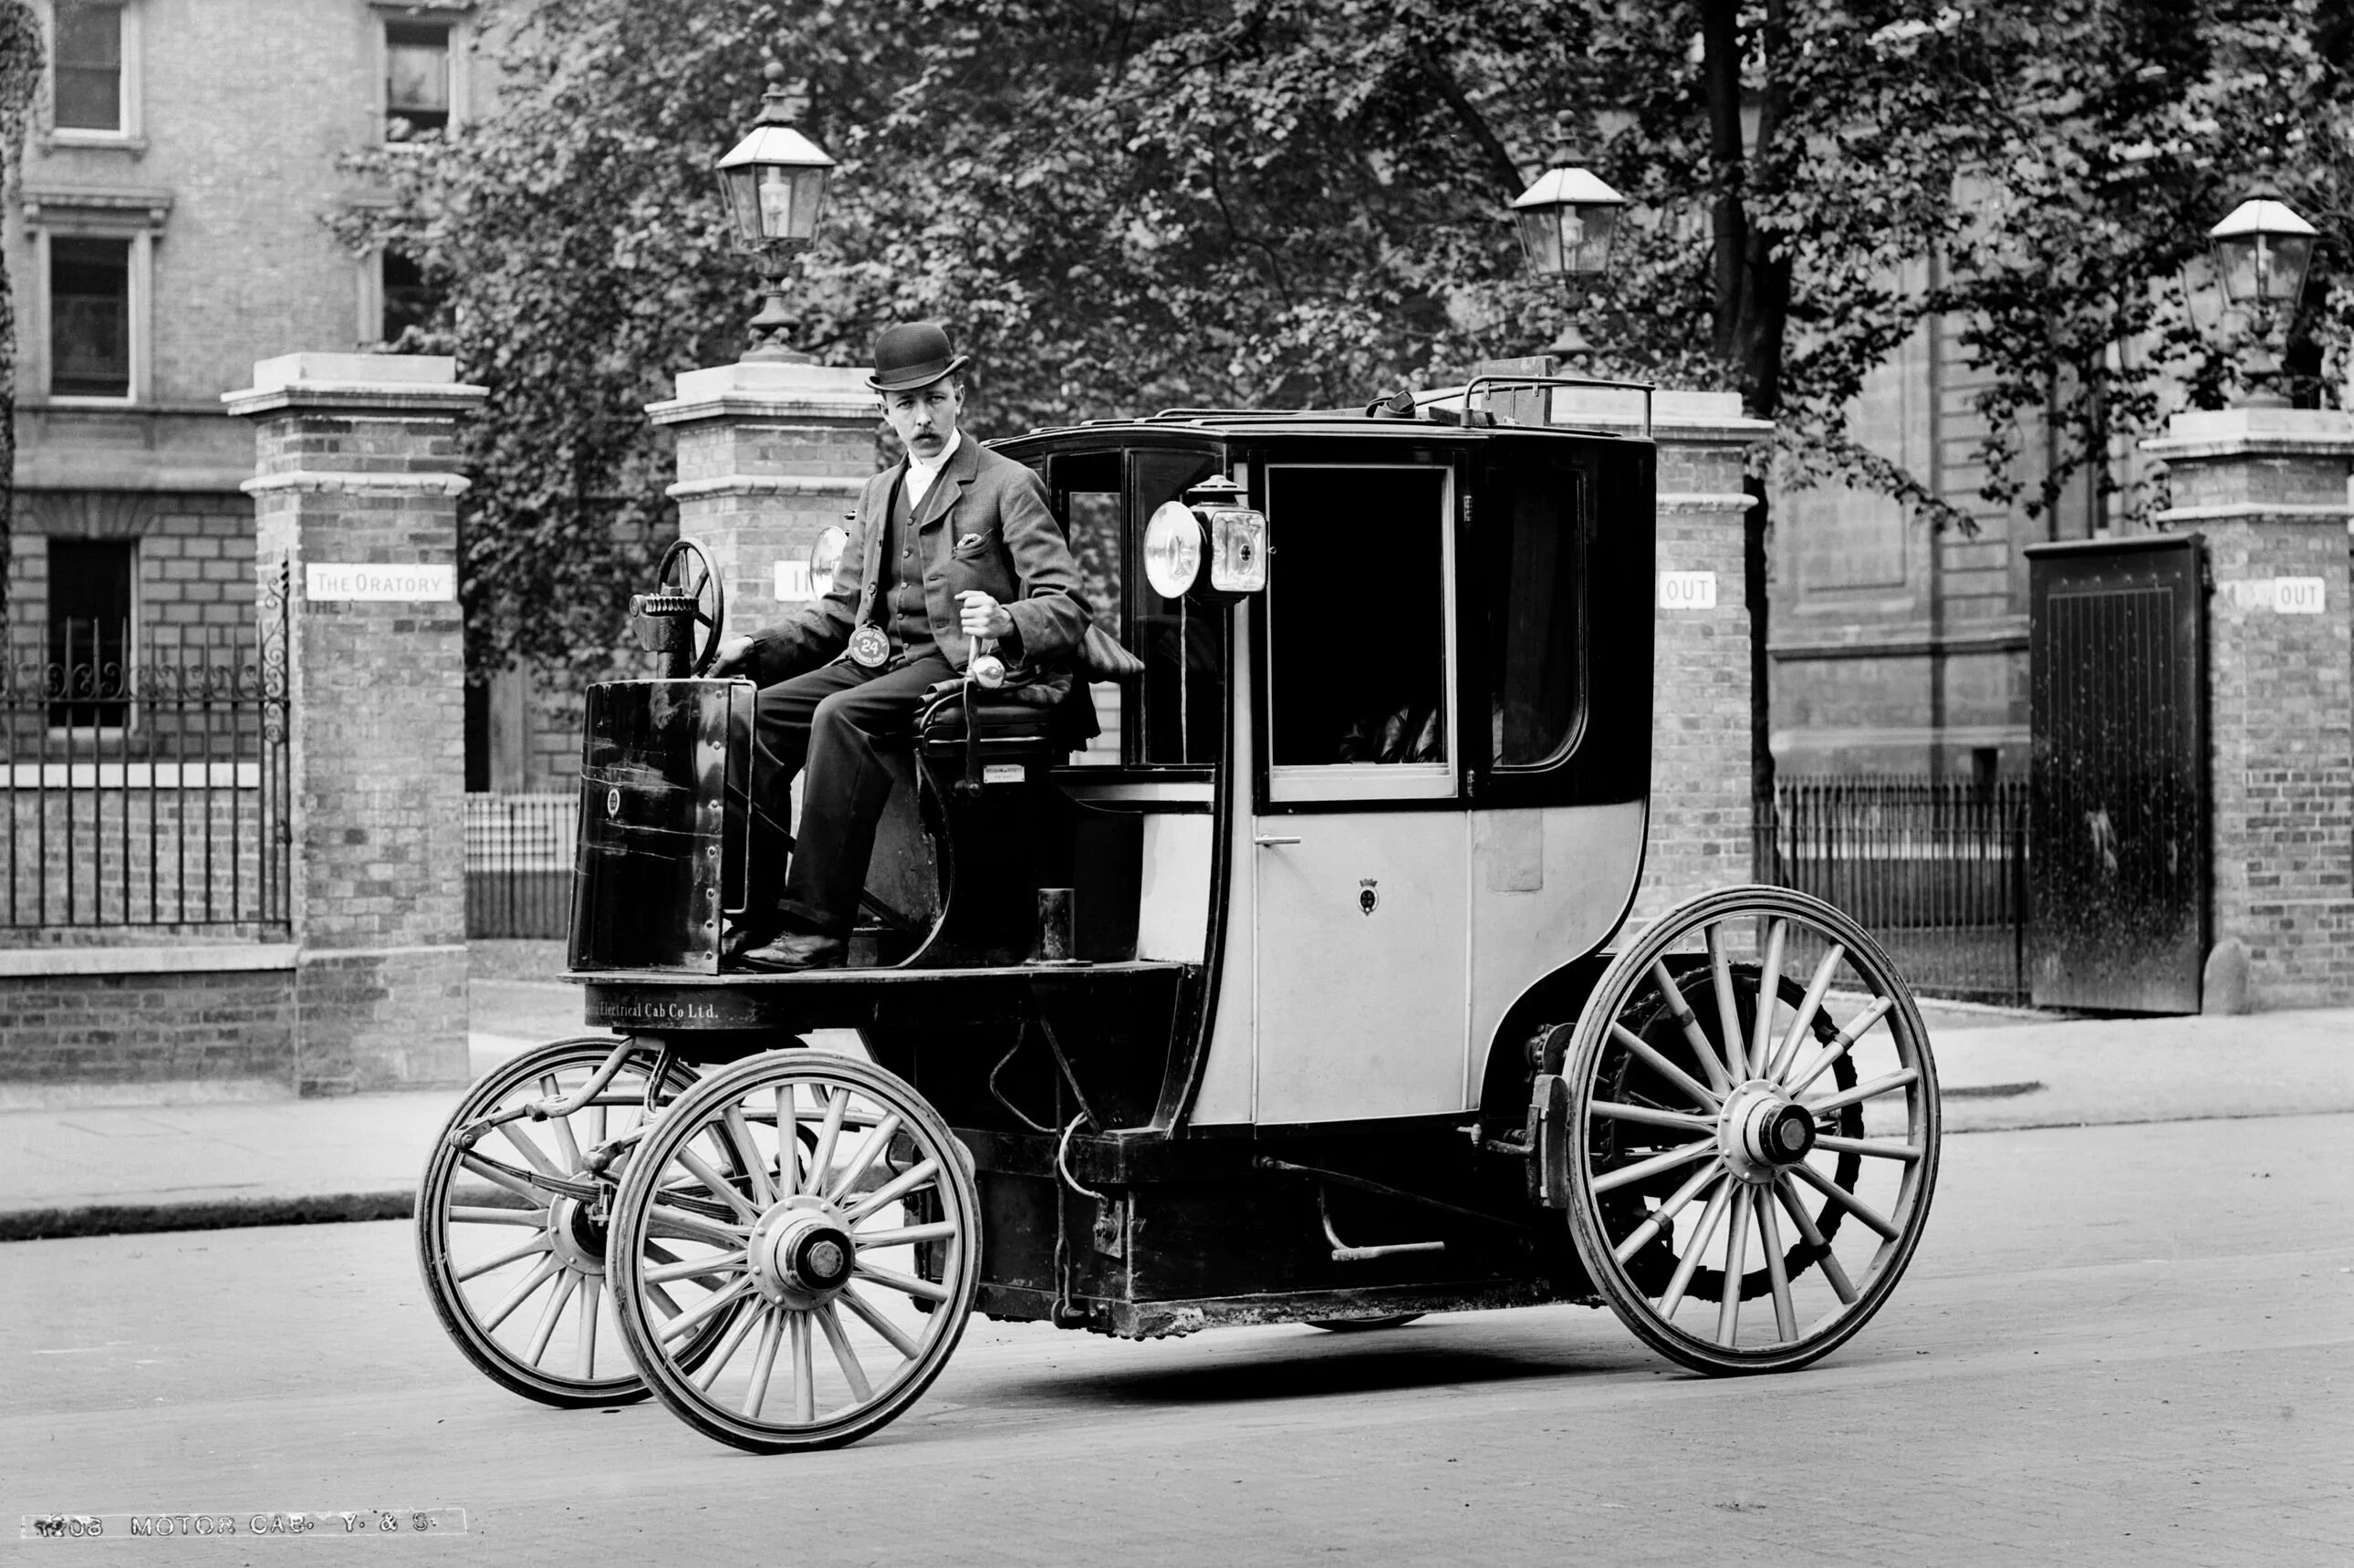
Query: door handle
{"points": [[1272, 843]]}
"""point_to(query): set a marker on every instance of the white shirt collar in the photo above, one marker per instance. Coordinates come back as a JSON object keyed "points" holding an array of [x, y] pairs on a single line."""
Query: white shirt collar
{"points": [[920, 474]]}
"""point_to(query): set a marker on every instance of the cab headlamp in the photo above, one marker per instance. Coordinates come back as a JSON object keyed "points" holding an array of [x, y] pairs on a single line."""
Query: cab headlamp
{"points": [[1211, 527]]}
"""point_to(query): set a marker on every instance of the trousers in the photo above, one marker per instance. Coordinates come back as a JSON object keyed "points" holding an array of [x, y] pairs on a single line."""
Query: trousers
{"points": [[829, 725]]}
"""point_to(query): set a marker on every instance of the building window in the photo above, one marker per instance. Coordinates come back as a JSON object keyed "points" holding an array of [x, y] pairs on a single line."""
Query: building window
{"points": [[90, 316], [90, 627], [409, 301], [416, 80], [89, 66]]}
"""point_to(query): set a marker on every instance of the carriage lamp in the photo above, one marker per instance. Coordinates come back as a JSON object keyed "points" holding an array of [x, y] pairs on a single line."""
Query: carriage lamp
{"points": [[1214, 525], [1567, 218], [774, 184], [825, 559], [2256, 264]]}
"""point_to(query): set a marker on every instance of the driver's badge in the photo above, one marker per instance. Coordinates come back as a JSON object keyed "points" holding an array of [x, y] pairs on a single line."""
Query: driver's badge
{"points": [[869, 648]]}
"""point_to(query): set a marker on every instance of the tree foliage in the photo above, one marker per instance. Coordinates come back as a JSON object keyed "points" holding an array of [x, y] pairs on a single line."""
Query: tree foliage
{"points": [[1129, 204]]}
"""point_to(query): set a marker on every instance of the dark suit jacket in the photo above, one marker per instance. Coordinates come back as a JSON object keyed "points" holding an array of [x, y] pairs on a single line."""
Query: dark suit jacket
{"points": [[985, 525]]}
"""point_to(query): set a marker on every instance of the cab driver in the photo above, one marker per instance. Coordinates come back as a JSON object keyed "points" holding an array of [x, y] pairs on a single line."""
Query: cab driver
{"points": [[950, 545]]}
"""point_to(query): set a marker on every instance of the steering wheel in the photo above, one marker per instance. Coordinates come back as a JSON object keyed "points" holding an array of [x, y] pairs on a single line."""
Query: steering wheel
{"points": [[700, 582]]}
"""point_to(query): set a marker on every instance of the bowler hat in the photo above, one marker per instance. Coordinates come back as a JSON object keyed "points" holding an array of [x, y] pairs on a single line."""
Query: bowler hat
{"points": [[912, 354]]}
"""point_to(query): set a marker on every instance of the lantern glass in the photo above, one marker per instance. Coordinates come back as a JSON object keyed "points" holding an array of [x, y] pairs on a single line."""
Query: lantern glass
{"points": [[1566, 221], [775, 201]]}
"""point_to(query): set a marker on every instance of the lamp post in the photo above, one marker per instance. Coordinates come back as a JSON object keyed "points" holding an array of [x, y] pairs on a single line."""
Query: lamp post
{"points": [[774, 184], [2259, 254], [1566, 219]]}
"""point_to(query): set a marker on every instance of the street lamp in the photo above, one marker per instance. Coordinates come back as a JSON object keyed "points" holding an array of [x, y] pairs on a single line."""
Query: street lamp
{"points": [[1567, 218], [2257, 257], [774, 184]]}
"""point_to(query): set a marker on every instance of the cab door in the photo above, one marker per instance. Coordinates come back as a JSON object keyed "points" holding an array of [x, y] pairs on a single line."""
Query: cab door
{"points": [[1360, 845]]}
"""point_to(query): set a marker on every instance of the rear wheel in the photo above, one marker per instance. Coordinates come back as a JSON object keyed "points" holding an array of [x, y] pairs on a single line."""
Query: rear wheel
{"points": [[512, 1257], [842, 1251], [1754, 1131]]}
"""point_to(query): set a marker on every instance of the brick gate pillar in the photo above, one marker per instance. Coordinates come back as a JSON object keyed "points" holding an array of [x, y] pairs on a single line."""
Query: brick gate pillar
{"points": [[770, 454], [355, 500], [2267, 488], [1701, 808]]}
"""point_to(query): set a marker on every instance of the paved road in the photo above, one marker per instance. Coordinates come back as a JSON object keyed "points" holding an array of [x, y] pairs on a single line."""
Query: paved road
{"points": [[2119, 1345]]}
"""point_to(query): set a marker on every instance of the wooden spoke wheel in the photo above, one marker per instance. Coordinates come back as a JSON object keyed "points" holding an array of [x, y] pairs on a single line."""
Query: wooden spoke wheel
{"points": [[843, 1255], [1749, 1182], [512, 1256]]}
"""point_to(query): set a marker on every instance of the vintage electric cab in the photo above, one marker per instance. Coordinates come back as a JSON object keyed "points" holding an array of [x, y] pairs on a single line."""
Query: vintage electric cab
{"points": [[1283, 978]]}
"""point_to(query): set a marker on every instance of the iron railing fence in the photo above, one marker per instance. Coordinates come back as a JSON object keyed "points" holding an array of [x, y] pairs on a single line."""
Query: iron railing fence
{"points": [[149, 794], [1934, 868], [519, 852]]}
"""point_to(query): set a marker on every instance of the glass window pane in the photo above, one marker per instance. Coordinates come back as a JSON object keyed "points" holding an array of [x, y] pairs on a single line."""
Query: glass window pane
{"points": [[90, 626], [90, 317], [1356, 616], [1095, 529], [1183, 644], [89, 66], [409, 298], [1534, 570], [416, 77]]}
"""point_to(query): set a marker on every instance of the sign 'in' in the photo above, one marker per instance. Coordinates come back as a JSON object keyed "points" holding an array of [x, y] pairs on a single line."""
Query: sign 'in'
{"points": [[414, 581]]}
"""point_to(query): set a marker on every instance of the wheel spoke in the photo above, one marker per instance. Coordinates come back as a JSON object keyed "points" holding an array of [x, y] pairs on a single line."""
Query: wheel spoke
{"points": [[1736, 1255], [1728, 1009], [725, 1351], [1844, 1199], [821, 1161], [764, 1362], [1807, 1008], [1862, 1092], [1689, 1022], [520, 1294], [843, 1356], [873, 1317], [544, 1329], [1644, 1170], [892, 1190], [1815, 1242], [703, 1309], [903, 1235], [719, 1184], [1651, 1116], [789, 1143], [804, 1363], [1703, 1234], [893, 1279], [872, 1150], [1844, 1042], [1769, 993], [680, 1225], [1699, 1093], [763, 1194], [530, 1152], [1641, 1236], [584, 1348], [1769, 1236], [560, 1126], [1877, 1149], [469, 1214], [694, 1268], [515, 1254]]}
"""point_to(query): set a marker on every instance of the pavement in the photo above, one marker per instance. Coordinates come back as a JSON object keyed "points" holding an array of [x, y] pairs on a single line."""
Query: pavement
{"points": [[78, 1169]]}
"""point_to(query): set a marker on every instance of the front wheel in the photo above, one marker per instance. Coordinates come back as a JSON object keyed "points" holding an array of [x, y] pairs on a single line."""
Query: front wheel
{"points": [[841, 1251], [1754, 1131]]}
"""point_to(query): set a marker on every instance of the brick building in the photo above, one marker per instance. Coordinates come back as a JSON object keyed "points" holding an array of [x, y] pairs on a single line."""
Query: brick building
{"points": [[169, 233]]}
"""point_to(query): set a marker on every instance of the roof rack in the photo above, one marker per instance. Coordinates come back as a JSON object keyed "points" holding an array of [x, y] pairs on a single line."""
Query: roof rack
{"points": [[1474, 396]]}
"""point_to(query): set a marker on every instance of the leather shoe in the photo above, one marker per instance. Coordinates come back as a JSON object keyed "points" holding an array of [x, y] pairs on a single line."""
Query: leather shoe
{"points": [[748, 931], [795, 950]]}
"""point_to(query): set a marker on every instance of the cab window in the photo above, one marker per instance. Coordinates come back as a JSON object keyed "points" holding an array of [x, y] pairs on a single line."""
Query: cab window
{"points": [[1358, 634], [1533, 570]]}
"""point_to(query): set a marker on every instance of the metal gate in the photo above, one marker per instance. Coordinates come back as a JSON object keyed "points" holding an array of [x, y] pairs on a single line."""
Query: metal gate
{"points": [[2117, 818]]}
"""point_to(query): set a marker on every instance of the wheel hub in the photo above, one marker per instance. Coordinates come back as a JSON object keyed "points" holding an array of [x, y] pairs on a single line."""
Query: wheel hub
{"points": [[1762, 1130], [577, 1235], [801, 1253]]}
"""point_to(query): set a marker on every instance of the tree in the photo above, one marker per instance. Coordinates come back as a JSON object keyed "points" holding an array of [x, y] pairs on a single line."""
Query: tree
{"points": [[1287, 202], [21, 61]]}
